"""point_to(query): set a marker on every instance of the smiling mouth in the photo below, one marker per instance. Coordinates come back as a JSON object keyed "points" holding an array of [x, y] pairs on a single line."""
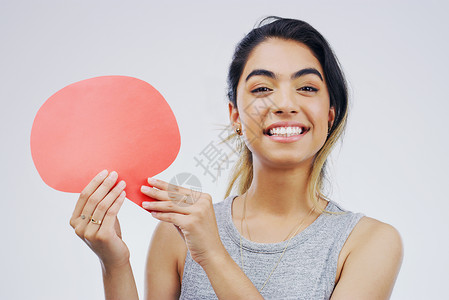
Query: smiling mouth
{"points": [[286, 131]]}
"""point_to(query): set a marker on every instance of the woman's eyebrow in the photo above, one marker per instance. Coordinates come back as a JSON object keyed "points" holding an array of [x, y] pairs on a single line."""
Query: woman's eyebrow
{"points": [[261, 72], [302, 72], [307, 71]]}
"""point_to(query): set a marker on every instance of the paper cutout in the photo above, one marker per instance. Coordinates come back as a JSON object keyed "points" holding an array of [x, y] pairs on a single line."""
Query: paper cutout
{"points": [[117, 123]]}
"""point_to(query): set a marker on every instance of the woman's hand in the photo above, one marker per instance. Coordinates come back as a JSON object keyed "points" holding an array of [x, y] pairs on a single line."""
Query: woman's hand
{"points": [[193, 215], [95, 219]]}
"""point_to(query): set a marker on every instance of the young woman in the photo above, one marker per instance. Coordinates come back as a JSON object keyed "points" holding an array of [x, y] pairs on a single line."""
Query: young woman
{"points": [[279, 238]]}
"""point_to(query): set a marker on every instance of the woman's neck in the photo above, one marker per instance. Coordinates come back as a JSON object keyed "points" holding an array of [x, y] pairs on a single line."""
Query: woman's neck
{"points": [[279, 191]]}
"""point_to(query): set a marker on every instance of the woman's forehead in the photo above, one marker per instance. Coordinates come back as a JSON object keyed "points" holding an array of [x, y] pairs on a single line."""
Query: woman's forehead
{"points": [[284, 57]]}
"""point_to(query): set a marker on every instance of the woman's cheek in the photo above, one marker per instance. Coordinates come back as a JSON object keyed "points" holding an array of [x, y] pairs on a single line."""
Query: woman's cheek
{"points": [[252, 129]]}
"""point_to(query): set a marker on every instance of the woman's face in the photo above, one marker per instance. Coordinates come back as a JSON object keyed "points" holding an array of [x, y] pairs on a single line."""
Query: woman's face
{"points": [[283, 82]]}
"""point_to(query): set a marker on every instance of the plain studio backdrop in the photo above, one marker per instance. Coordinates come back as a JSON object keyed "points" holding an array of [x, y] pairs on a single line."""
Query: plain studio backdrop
{"points": [[392, 165]]}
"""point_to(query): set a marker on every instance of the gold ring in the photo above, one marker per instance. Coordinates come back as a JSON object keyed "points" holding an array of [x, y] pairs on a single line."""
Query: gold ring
{"points": [[92, 220]]}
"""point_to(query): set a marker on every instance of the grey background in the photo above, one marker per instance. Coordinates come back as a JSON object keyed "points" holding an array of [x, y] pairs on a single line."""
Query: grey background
{"points": [[392, 165]]}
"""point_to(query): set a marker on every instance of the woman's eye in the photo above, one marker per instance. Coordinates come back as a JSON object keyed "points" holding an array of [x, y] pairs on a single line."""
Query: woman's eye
{"points": [[308, 89], [261, 90]]}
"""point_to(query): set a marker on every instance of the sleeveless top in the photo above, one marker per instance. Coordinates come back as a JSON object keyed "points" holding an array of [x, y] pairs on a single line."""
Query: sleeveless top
{"points": [[307, 269]]}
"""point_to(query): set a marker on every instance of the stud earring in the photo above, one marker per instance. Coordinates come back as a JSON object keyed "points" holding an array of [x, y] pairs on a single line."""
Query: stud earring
{"points": [[238, 131]]}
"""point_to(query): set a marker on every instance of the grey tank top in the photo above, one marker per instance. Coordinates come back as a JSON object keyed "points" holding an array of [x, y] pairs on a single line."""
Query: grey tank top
{"points": [[306, 271]]}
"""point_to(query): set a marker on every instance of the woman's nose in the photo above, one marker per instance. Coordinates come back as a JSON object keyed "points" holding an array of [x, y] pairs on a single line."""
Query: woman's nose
{"points": [[284, 102]]}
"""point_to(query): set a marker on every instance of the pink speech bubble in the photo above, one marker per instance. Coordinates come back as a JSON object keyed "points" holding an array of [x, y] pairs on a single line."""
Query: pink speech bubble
{"points": [[110, 122]]}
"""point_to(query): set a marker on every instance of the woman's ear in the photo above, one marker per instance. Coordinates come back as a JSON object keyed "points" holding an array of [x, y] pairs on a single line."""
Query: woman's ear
{"points": [[233, 114], [331, 116]]}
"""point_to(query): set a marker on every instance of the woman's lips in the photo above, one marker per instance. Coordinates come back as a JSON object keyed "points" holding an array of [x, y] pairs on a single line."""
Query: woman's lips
{"points": [[286, 139]]}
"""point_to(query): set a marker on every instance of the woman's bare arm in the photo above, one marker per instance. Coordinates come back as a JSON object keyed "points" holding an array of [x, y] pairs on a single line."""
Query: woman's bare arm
{"points": [[167, 249], [119, 283], [371, 268]]}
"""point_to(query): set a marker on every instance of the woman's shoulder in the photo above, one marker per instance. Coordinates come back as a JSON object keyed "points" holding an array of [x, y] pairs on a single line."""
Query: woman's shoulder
{"points": [[222, 207], [371, 238], [371, 229], [223, 202], [368, 232], [372, 247]]}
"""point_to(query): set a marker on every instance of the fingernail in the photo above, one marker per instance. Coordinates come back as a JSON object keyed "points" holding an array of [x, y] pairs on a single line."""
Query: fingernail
{"points": [[103, 173], [113, 175], [144, 188], [146, 204], [121, 184]]}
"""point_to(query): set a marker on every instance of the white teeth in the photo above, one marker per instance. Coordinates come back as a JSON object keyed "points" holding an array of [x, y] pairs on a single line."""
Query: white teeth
{"points": [[288, 131]]}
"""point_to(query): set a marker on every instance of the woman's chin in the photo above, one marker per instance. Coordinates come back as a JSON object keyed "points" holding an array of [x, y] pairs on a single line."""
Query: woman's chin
{"points": [[283, 160]]}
